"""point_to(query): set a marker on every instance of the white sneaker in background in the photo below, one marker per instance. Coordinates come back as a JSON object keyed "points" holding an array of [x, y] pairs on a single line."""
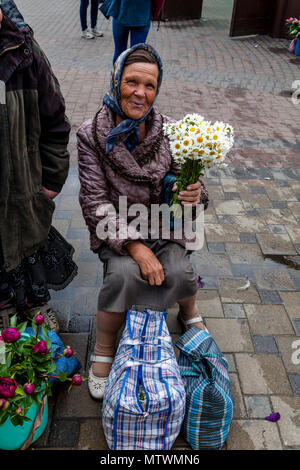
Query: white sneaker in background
{"points": [[87, 34], [96, 32]]}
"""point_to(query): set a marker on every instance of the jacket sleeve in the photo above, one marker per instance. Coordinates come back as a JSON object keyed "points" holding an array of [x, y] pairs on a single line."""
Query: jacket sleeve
{"points": [[94, 194], [105, 8], [55, 127]]}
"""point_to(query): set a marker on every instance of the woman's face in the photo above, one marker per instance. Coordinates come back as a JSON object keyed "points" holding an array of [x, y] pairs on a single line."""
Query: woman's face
{"points": [[138, 88]]}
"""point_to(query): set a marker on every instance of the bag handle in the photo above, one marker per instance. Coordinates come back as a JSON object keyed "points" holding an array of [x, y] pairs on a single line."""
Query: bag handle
{"points": [[204, 356], [139, 362], [191, 373], [37, 423], [152, 342], [199, 372]]}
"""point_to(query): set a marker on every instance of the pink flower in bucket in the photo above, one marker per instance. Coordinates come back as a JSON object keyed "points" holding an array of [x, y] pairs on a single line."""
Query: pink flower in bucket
{"points": [[39, 319], [4, 404], [41, 348], [68, 352], [28, 366], [19, 410], [7, 387], [29, 388], [76, 380], [10, 335]]}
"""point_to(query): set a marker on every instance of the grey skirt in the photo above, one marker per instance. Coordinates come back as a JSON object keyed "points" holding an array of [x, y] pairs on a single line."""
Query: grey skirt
{"points": [[123, 285]]}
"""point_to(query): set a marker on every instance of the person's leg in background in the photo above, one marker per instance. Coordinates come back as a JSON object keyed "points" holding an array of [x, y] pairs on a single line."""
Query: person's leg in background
{"points": [[120, 34], [139, 35], [94, 16], [83, 13], [83, 20]]}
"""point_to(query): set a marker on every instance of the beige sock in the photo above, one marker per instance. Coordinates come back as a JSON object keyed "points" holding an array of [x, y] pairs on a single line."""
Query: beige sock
{"points": [[108, 325], [194, 314]]}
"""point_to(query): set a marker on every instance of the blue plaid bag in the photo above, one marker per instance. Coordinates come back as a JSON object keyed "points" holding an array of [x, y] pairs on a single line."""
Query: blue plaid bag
{"points": [[144, 399], [209, 397]]}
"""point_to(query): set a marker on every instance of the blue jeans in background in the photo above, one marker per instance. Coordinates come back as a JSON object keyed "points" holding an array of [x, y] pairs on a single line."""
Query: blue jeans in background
{"points": [[83, 13], [121, 33]]}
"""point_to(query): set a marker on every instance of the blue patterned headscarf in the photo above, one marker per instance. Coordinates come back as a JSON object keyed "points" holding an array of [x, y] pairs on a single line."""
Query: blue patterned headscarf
{"points": [[128, 127]]}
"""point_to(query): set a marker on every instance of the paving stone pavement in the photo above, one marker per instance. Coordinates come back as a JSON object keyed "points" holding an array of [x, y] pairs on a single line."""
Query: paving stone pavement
{"points": [[252, 225]]}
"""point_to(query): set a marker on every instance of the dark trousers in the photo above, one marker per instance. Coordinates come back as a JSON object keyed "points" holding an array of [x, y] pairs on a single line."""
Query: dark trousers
{"points": [[83, 13], [137, 35]]}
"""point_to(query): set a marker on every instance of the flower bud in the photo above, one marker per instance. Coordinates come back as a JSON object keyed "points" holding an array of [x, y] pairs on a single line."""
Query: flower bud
{"points": [[29, 388], [19, 410], [41, 348], [68, 352], [76, 380], [39, 319], [4, 404]]}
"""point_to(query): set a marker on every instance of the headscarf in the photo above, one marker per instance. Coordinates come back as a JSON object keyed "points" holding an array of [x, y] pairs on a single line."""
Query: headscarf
{"points": [[129, 127], [10, 9]]}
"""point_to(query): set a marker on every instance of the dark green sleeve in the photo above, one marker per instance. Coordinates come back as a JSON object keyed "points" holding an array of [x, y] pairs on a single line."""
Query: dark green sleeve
{"points": [[55, 126]]}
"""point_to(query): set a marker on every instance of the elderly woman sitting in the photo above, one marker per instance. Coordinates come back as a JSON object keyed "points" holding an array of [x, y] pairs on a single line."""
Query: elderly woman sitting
{"points": [[123, 152]]}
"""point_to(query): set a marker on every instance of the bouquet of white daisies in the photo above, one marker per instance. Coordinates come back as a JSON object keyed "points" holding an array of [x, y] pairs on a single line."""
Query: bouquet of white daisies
{"points": [[196, 144]]}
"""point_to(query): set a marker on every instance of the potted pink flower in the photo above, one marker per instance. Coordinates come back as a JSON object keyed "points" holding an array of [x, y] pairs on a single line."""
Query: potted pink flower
{"points": [[26, 365]]}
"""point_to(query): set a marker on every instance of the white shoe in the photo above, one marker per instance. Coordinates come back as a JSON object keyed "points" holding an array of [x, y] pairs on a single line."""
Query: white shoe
{"points": [[87, 34], [186, 323], [96, 32], [96, 385]]}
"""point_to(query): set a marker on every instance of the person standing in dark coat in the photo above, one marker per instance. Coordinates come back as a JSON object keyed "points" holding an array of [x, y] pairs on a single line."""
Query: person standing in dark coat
{"points": [[34, 164]]}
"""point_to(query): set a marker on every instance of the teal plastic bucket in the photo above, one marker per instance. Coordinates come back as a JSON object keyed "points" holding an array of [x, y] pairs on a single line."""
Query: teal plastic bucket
{"points": [[13, 437]]}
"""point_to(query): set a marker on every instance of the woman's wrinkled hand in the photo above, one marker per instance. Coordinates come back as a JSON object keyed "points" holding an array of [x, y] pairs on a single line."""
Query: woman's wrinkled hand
{"points": [[49, 193], [192, 195], [151, 269]]}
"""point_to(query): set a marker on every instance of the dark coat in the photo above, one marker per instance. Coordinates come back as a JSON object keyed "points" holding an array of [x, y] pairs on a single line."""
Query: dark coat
{"points": [[34, 133], [131, 13]]}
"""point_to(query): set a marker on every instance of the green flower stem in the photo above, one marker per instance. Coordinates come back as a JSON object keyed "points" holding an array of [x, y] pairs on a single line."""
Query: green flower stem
{"points": [[57, 357], [190, 172], [57, 377]]}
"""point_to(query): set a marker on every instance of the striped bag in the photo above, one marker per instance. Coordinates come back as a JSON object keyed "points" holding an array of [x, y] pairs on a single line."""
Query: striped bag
{"points": [[209, 397], [144, 400]]}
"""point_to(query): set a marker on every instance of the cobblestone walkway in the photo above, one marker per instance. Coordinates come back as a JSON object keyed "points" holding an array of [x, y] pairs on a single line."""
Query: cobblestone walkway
{"points": [[252, 226]]}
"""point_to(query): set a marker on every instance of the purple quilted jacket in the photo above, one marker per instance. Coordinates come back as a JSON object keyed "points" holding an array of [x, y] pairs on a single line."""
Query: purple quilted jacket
{"points": [[137, 175]]}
